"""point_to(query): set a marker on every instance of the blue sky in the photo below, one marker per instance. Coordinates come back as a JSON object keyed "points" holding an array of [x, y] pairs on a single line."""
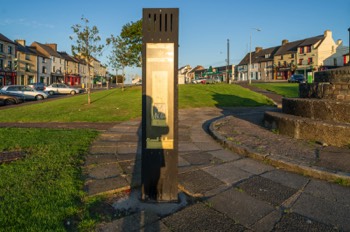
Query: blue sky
{"points": [[205, 25]]}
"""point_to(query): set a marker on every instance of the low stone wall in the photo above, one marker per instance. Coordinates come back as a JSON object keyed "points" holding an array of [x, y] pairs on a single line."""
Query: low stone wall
{"points": [[320, 109], [335, 134], [337, 91], [339, 75]]}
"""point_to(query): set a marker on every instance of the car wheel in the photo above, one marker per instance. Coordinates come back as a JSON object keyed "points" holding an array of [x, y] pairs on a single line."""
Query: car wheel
{"points": [[9, 101], [51, 92], [72, 92], [39, 97]]}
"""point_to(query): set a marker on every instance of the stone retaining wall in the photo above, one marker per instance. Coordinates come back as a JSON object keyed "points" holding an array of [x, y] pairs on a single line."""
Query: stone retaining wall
{"points": [[338, 91], [338, 111]]}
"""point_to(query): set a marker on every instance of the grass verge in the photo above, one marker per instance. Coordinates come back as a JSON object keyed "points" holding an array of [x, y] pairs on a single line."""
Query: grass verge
{"points": [[116, 105], [44, 190], [284, 89]]}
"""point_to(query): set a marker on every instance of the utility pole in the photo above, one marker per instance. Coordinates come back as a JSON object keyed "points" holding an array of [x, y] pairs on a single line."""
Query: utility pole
{"points": [[228, 61]]}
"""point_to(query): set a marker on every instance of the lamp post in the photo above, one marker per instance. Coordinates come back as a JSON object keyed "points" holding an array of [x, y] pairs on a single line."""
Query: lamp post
{"points": [[250, 55]]}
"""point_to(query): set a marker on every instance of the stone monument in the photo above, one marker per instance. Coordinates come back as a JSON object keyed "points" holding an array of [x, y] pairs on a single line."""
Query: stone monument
{"points": [[321, 113]]}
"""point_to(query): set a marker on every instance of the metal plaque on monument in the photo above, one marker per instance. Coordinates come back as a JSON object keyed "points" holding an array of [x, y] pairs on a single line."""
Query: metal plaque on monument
{"points": [[159, 104]]}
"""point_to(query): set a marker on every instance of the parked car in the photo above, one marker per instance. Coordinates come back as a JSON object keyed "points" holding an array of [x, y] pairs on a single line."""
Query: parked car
{"points": [[199, 81], [38, 86], [9, 100], [297, 78], [58, 88], [24, 92]]}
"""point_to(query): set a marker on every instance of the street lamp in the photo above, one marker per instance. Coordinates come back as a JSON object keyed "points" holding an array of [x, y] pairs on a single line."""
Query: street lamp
{"points": [[250, 55]]}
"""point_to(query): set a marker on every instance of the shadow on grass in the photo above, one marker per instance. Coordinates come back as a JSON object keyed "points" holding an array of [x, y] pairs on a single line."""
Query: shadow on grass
{"points": [[102, 97]]}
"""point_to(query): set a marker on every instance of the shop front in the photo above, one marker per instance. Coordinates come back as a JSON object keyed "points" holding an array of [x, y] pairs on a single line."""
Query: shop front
{"points": [[57, 77], [7, 78], [71, 79]]}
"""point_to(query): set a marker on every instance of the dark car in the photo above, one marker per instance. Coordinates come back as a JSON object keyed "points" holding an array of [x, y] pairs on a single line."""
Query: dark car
{"points": [[297, 78], [38, 86], [9, 100]]}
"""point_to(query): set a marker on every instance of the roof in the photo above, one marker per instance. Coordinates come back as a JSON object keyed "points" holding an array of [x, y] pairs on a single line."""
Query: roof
{"points": [[67, 57], [292, 47], [5, 39], [26, 49], [47, 49], [198, 67]]}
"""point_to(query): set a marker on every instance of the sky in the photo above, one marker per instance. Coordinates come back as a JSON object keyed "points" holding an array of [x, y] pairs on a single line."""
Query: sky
{"points": [[204, 26]]}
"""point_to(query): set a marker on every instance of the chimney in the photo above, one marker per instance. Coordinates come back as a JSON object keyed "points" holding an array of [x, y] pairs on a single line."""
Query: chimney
{"points": [[327, 33], [21, 42], [339, 42], [53, 46], [284, 42], [258, 49]]}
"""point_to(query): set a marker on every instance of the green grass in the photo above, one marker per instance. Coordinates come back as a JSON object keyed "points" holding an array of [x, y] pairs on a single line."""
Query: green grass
{"points": [[41, 191], [219, 95], [284, 89], [116, 105]]}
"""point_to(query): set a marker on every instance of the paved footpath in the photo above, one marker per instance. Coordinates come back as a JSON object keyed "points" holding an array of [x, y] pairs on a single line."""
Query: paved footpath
{"points": [[219, 190]]}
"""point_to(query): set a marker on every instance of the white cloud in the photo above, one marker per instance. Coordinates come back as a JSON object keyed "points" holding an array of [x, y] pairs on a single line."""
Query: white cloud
{"points": [[28, 23]]}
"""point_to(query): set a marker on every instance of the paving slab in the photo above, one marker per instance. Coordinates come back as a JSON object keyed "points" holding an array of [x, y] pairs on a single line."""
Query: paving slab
{"points": [[93, 187], [266, 190], [268, 222], [104, 171], [94, 150], [201, 158], [329, 191], [187, 146], [132, 222], [100, 159], [225, 155], [296, 222], [199, 217], [252, 166], [228, 173], [241, 207], [198, 182], [208, 146], [328, 212], [288, 179]]}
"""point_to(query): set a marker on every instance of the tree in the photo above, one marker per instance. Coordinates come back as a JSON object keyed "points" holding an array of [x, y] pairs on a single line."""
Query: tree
{"points": [[126, 48], [87, 46]]}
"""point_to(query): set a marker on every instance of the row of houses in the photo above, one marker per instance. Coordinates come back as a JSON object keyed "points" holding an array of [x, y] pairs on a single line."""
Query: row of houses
{"points": [[304, 56], [43, 63]]}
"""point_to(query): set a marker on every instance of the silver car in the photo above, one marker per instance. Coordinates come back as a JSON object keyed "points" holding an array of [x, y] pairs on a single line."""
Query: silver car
{"points": [[58, 88], [24, 92]]}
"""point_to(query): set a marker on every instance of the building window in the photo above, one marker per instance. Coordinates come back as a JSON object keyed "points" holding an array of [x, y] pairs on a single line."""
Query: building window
{"points": [[292, 56], [53, 59], [279, 64], [44, 60], [285, 63], [9, 64], [281, 57], [9, 49], [1, 64], [27, 68], [301, 50], [309, 61], [300, 62], [27, 57], [335, 61], [1, 48], [308, 48], [44, 69], [54, 69]]}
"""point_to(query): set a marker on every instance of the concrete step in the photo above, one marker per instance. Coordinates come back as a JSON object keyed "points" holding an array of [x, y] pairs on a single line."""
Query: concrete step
{"points": [[329, 110], [325, 132]]}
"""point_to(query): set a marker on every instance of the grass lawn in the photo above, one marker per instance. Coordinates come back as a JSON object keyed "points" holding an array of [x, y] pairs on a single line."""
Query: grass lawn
{"points": [[41, 191], [284, 89], [116, 105]]}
